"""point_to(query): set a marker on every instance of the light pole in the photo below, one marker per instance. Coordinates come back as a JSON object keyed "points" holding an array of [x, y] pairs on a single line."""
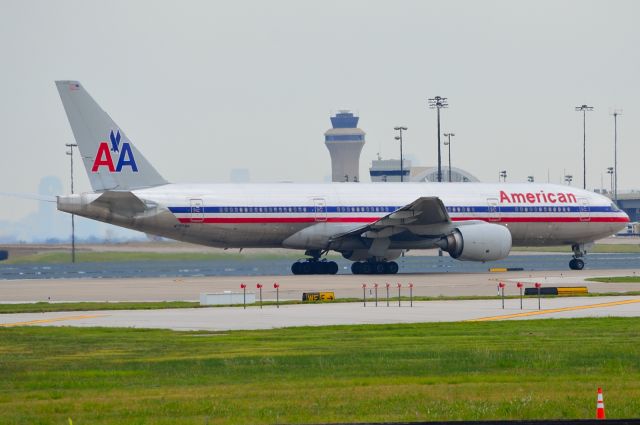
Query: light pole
{"points": [[584, 109], [401, 158], [448, 143], [73, 221], [503, 175], [439, 103], [568, 179], [615, 114], [530, 179], [610, 171]]}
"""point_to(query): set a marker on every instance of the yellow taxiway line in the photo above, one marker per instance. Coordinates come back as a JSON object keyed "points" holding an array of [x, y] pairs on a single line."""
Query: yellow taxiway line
{"points": [[554, 310], [54, 319]]}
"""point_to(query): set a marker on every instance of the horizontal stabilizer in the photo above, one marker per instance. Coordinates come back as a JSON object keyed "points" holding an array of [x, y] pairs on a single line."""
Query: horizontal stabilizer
{"points": [[122, 203]]}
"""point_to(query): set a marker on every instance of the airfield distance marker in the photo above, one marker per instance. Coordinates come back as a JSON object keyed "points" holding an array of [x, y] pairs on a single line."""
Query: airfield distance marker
{"points": [[277, 286], [519, 285], [244, 295]]}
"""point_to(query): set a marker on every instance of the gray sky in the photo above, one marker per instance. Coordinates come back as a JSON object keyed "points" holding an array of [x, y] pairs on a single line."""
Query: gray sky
{"points": [[205, 87]]}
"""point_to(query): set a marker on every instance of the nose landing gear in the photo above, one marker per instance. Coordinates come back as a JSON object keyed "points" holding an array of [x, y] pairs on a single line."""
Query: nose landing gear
{"points": [[576, 262]]}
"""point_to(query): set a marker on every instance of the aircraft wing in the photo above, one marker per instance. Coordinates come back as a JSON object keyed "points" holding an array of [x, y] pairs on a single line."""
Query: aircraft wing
{"points": [[424, 216]]}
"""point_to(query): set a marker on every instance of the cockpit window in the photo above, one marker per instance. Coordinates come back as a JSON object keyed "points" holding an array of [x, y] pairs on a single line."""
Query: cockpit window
{"points": [[614, 207]]}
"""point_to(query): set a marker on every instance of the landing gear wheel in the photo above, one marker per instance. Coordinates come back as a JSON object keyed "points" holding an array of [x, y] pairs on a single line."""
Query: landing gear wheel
{"points": [[391, 267], [576, 264], [332, 267], [366, 268], [296, 268], [356, 268]]}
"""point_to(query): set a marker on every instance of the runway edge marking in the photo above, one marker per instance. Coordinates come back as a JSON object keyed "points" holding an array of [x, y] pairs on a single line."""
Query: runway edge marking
{"points": [[554, 310], [54, 319]]}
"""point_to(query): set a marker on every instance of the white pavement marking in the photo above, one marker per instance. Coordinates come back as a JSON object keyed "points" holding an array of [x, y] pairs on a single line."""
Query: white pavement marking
{"points": [[236, 318]]}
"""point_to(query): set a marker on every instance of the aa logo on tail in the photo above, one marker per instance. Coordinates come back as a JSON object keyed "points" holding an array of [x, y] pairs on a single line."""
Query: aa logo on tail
{"points": [[105, 155]]}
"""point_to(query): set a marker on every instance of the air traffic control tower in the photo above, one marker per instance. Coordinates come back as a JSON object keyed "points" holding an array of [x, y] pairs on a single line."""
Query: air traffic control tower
{"points": [[344, 141]]}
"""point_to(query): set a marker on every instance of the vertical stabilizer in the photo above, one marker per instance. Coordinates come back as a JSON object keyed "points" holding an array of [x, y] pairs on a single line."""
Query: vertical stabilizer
{"points": [[110, 158]]}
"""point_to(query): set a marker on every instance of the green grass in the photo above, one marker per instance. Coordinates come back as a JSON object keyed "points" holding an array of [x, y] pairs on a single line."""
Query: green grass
{"points": [[615, 279], [59, 257], [44, 307], [597, 248], [450, 371]]}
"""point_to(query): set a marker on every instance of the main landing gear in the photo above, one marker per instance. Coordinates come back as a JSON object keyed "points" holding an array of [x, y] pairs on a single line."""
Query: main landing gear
{"points": [[576, 262], [314, 265], [374, 267]]}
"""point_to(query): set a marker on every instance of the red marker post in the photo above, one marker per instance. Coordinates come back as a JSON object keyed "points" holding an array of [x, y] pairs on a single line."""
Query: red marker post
{"points": [[277, 287], [259, 286], [364, 294], [411, 294], [375, 286], [388, 294], [520, 285], [399, 286], [501, 286], [538, 286], [244, 294]]}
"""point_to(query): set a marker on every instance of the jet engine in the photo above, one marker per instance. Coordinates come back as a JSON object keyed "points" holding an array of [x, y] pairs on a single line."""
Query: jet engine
{"points": [[477, 242]]}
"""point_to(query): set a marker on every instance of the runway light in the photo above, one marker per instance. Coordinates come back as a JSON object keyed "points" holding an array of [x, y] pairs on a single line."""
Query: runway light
{"points": [[387, 294], [538, 286], [277, 286], [364, 294], [520, 285], [411, 294], [501, 286], [259, 286], [399, 286], [244, 295]]}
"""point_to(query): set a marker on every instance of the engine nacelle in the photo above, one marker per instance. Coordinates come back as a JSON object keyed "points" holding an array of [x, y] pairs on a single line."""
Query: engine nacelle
{"points": [[478, 242]]}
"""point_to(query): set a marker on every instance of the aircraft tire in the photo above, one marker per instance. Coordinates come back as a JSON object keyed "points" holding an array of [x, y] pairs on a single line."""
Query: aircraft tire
{"points": [[332, 267], [295, 268], [356, 268], [391, 267], [576, 264]]}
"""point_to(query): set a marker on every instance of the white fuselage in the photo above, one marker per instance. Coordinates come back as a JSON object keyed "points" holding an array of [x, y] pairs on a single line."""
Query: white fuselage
{"points": [[265, 215]]}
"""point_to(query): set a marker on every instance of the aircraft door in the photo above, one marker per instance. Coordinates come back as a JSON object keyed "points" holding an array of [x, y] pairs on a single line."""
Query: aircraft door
{"points": [[320, 209], [585, 211], [197, 210], [493, 210]]}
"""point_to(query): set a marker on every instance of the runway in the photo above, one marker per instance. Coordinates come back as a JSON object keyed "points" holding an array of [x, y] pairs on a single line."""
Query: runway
{"points": [[233, 266], [237, 318], [292, 287]]}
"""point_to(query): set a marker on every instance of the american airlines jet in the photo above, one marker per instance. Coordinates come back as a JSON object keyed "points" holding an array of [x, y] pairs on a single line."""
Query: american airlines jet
{"points": [[370, 224]]}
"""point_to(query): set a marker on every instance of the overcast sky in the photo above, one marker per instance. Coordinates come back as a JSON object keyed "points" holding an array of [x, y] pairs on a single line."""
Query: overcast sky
{"points": [[205, 87]]}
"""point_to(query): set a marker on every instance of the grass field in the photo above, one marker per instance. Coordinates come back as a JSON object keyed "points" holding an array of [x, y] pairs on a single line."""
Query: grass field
{"points": [[452, 371], [615, 279], [59, 257], [44, 307], [597, 248]]}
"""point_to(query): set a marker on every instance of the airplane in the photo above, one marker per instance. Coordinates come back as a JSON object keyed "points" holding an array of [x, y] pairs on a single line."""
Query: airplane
{"points": [[370, 224]]}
